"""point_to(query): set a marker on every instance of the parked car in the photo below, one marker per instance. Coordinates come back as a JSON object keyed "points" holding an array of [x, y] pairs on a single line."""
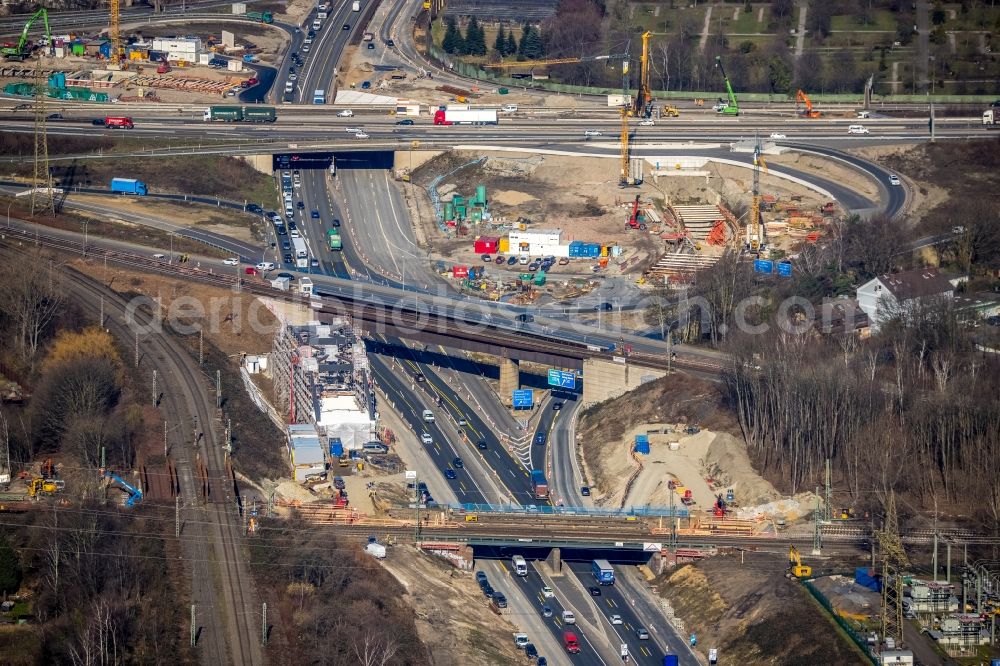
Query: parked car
{"points": [[511, 261], [231, 261], [500, 259], [486, 259], [480, 576]]}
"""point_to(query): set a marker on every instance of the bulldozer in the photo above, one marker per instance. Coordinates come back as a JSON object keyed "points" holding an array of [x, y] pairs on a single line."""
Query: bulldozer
{"points": [[795, 565], [669, 111]]}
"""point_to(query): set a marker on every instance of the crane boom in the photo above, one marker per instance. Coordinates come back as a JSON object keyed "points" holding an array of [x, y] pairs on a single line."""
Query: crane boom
{"points": [[644, 97], [20, 51], [732, 108], [135, 495], [801, 96]]}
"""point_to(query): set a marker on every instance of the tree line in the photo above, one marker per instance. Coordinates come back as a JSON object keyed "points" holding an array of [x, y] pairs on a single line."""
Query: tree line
{"points": [[505, 44]]}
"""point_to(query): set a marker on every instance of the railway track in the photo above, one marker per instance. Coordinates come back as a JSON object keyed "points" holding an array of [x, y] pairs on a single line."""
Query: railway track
{"points": [[213, 528]]}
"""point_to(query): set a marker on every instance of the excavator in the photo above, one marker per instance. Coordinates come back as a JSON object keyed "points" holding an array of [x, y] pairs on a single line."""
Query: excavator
{"points": [[809, 111], [730, 107], [134, 494], [39, 486], [22, 49], [795, 565]]}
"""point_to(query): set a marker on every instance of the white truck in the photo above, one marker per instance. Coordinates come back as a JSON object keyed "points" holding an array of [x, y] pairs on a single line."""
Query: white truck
{"points": [[356, 7], [991, 118]]}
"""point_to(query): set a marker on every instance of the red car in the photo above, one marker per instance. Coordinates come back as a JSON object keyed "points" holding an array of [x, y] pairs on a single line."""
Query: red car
{"points": [[250, 270]]}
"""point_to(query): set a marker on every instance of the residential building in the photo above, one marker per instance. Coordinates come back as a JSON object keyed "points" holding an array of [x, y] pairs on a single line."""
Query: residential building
{"points": [[887, 296]]}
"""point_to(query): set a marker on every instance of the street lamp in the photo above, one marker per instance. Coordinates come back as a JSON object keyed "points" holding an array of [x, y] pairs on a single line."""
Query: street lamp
{"points": [[8, 213]]}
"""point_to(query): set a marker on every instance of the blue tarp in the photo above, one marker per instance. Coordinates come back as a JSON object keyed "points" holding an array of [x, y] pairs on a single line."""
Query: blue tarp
{"points": [[863, 576]]}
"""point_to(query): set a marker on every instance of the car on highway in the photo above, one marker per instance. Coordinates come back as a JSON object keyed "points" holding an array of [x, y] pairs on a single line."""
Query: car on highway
{"points": [[346, 26], [300, 205], [353, 130], [525, 318], [425, 438], [55, 116], [450, 474], [642, 634], [511, 261], [547, 592], [594, 591], [556, 406], [615, 619], [593, 133], [462, 423], [305, 48], [361, 135], [287, 258], [585, 491], [231, 261], [648, 122], [345, 113], [481, 576], [314, 214], [285, 274], [307, 40], [568, 617], [265, 266], [540, 438], [546, 611], [857, 129], [778, 135], [605, 307], [336, 222], [159, 255], [292, 76], [530, 651], [419, 377], [894, 180], [99, 122], [457, 462], [405, 121], [314, 263], [285, 245], [482, 445], [486, 258]]}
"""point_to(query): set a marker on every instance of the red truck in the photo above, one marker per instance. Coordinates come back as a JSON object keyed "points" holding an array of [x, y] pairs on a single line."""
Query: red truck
{"points": [[119, 122], [571, 643]]}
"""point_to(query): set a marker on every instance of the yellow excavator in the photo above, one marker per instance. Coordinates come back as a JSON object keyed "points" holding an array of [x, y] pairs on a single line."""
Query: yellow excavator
{"points": [[795, 565], [670, 111], [39, 485]]}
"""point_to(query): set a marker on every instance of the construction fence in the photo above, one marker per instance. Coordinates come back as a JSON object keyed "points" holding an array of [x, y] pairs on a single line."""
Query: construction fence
{"points": [[859, 640]]}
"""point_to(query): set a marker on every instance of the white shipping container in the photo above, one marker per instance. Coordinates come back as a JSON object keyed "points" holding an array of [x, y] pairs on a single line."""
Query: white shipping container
{"points": [[235, 66], [204, 58], [541, 237], [239, 8], [191, 46], [619, 100]]}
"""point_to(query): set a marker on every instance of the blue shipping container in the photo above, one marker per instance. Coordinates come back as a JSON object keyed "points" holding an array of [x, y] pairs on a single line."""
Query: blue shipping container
{"points": [[642, 444], [336, 447]]}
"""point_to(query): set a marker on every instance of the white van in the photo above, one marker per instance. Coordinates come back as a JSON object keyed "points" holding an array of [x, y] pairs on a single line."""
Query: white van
{"points": [[317, 24], [857, 129], [509, 108], [520, 565], [428, 416], [568, 617]]}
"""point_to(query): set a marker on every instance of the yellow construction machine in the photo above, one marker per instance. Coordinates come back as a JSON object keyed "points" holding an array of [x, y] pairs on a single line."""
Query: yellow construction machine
{"points": [[795, 565], [670, 111], [39, 485]]}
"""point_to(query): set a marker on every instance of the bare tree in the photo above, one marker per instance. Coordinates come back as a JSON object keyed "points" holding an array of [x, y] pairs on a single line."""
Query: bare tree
{"points": [[32, 300], [375, 648]]}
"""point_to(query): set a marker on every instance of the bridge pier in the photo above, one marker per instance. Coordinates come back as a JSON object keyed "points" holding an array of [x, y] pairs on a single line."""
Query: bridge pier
{"points": [[510, 379], [554, 561]]}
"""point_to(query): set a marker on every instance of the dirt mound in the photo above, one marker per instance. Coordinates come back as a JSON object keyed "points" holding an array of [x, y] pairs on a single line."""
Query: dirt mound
{"points": [[753, 614], [452, 619], [728, 463]]}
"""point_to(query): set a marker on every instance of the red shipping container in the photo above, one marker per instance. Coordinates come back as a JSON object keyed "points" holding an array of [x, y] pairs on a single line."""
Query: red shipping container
{"points": [[460, 271], [487, 244]]}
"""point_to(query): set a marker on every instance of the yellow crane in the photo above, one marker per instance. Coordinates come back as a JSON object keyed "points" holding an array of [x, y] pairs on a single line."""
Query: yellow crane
{"points": [[115, 33], [755, 227], [798, 569], [643, 105]]}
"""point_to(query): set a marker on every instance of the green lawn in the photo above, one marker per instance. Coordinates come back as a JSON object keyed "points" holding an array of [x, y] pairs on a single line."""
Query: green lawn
{"points": [[881, 20], [746, 21]]}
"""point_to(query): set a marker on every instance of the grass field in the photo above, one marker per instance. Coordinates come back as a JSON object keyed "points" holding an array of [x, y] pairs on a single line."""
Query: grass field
{"points": [[881, 20]]}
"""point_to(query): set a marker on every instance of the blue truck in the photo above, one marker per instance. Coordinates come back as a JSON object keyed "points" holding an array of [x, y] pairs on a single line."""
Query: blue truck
{"points": [[128, 186], [603, 572], [539, 484]]}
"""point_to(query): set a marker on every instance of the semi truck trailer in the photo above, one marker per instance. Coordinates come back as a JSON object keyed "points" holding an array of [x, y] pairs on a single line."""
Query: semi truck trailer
{"points": [[250, 114], [128, 186], [465, 117]]}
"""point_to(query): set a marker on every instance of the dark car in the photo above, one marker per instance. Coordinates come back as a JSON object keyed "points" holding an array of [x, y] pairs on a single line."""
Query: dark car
{"points": [[500, 259], [480, 576], [405, 121], [525, 318], [533, 266], [99, 122], [287, 258], [511, 261], [371, 45], [488, 590], [255, 209], [457, 462], [422, 487], [346, 26], [314, 263], [542, 661], [530, 651], [338, 483], [450, 474], [390, 43], [336, 222], [285, 245], [594, 591], [585, 491], [481, 445], [282, 231], [365, 85], [540, 438], [605, 306], [314, 214], [556, 406], [500, 600], [291, 278], [55, 116], [419, 377], [300, 205]]}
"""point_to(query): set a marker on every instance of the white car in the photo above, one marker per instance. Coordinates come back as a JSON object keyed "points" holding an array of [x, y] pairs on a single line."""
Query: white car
{"points": [[615, 619], [360, 135], [346, 113], [293, 76], [648, 122], [265, 266], [592, 133], [857, 129], [231, 261], [547, 592], [295, 233], [305, 48], [778, 135], [158, 255], [894, 180], [307, 40], [354, 130], [425, 438]]}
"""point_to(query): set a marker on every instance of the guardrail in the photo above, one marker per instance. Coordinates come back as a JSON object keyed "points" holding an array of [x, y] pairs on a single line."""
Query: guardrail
{"points": [[534, 510]]}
